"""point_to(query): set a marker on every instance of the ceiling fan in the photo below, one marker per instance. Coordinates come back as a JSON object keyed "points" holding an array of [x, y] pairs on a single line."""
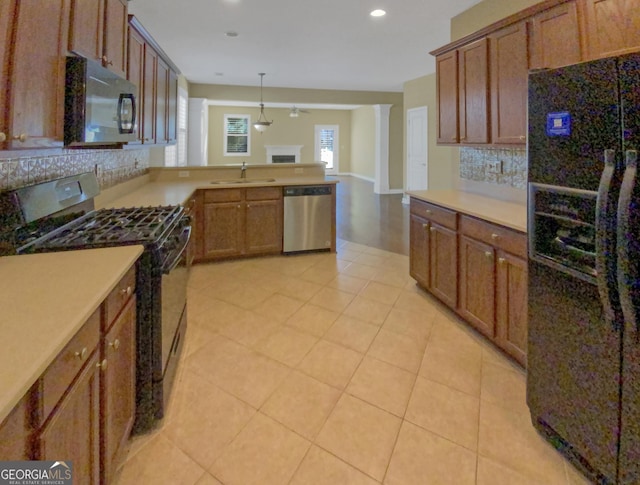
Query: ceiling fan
{"points": [[295, 112]]}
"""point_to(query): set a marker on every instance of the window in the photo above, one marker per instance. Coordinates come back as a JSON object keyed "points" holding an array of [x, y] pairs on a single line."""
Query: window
{"points": [[237, 136], [176, 155]]}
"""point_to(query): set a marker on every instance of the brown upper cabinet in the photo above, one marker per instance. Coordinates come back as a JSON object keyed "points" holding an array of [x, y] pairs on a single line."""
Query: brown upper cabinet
{"points": [[509, 72], [549, 34], [612, 27], [98, 31], [473, 92], [555, 37], [447, 88], [33, 72], [157, 80]]}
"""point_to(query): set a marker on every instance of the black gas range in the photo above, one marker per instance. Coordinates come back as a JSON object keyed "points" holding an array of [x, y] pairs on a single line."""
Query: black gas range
{"points": [[59, 216]]}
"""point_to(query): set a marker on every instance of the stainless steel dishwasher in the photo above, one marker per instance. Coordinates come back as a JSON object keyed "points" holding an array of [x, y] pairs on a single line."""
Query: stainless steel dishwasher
{"points": [[307, 218]]}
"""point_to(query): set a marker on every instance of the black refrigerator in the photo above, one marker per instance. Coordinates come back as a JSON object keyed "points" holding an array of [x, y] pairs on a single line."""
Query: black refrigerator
{"points": [[583, 376]]}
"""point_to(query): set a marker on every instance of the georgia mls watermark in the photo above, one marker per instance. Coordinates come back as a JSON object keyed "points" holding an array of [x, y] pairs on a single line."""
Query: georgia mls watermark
{"points": [[35, 473]]}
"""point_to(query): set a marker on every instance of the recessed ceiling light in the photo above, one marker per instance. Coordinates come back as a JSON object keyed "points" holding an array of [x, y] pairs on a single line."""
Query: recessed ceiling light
{"points": [[231, 33], [378, 13]]}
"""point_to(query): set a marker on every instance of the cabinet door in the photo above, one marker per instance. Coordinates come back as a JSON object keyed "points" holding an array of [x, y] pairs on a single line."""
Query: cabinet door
{"points": [[72, 431], [115, 36], [473, 92], [172, 109], [263, 226], [555, 37], [149, 95], [15, 432], [511, 301], [419, 250], [477, 285], [509, 73], [36, 108], [118, 388], [447, 92], [135, 74], [443, 278], [223, 224], [162, 105], [7, 10], [612, 27], [86, 30]]}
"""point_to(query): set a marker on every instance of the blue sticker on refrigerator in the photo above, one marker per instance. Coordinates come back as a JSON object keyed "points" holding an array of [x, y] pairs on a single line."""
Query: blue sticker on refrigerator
{"points": [[559, 124]]}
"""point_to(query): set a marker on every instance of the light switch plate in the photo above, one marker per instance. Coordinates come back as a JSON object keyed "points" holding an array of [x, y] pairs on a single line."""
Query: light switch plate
{"points": [[494, 166]]}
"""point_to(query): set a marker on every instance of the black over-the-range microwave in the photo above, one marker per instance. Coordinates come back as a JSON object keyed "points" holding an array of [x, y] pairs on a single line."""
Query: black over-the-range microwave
{"points": [[100, 106]]}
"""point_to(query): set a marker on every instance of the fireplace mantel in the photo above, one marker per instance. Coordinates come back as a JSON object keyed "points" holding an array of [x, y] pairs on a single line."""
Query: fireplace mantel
{"points": [[291, 150]]}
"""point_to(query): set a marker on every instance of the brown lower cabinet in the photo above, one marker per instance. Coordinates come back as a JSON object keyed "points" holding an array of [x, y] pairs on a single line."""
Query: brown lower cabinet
{"points": [[477, 268], [239, 222], [82, 407]]}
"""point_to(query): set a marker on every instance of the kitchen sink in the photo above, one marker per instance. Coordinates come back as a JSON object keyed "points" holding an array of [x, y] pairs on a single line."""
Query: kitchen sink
{"points": [[242, 181]]}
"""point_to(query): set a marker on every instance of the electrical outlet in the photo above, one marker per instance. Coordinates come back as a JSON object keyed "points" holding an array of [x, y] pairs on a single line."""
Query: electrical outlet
{"points": [[183, 173], [298, 170], [494, 166]]}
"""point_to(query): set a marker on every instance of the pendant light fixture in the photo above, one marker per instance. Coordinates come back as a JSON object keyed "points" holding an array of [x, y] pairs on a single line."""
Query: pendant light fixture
{"points": [[262, 124]]}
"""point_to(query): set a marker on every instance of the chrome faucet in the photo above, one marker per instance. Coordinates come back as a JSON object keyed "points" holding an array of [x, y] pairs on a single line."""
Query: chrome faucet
{"points": [[243, 170]]}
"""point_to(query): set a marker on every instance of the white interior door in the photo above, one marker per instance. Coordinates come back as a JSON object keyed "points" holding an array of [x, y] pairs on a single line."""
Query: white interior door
{"points": [[327, 147], [417, 154]]}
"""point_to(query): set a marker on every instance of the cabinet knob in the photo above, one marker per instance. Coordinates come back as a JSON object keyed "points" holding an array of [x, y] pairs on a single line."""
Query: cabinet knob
{"points": [[429, 211], [248, 206], [454, 138], [115, 344], [238, 206], [106, 61], [488, 254], [501, 260], [522, 137], [463, 138], [425, 226], [82, 354], [102, 365], [126, 291], [494, 236], [22, 137], [432, 229], [3, 137]]}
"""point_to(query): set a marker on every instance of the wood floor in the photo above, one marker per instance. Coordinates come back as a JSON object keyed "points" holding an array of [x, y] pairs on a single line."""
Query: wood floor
{"points": [[363, 217]]}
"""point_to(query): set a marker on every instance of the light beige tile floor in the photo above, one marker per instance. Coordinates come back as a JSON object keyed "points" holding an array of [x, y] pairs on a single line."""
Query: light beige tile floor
{"points": [[337, 369]]}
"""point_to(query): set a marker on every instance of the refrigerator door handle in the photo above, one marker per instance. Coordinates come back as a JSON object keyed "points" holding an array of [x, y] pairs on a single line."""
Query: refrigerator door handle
{"points": [[606, 238], [627, 267]]}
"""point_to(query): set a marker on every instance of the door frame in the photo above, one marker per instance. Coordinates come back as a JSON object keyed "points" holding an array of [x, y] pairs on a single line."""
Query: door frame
{"points": [[410, 112], [336, 146]]}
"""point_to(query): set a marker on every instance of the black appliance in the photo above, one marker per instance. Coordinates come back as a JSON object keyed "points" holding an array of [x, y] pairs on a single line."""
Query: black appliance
{"points": [[59, 216], [100, 106], [583, 376]]}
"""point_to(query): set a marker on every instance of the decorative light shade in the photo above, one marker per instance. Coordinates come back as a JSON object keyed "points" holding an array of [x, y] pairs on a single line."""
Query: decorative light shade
{"points": [[262, 124]]}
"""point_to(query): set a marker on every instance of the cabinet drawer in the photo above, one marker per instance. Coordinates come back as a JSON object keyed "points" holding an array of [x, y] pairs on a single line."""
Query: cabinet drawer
{"points": [[264, 193], [119, 297], [223, 195], [63, 370], [510, 241], [440, 215]]}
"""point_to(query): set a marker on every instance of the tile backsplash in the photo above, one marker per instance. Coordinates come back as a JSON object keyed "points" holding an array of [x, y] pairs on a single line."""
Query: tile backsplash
{"points": [[18, 169], [474, 166]]}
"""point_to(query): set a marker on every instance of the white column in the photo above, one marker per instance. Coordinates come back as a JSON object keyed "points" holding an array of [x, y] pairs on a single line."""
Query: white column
{"points": [[381, 182]]}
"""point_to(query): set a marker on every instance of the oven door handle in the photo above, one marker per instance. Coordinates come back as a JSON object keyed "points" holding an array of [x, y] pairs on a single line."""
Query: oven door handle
{"points": [[178, 256]]}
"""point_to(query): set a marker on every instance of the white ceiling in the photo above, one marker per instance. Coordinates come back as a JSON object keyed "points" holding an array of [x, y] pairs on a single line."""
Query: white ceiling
{"points": [[322, 44]]}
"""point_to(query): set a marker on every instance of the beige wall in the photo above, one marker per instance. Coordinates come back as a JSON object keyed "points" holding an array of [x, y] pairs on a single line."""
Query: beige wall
{"points": [[440, 168], [485, 13], [396, 146], [284, 131], [363, 132]]}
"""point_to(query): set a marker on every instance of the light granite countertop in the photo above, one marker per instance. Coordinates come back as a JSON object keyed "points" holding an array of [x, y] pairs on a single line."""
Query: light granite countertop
{"points": [[45, 299], [508, 214], [177, 192]]}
